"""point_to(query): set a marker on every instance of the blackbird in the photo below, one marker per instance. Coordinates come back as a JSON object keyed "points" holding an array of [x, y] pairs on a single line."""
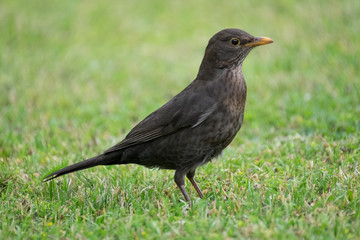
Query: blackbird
{"points": [[195, 125]]}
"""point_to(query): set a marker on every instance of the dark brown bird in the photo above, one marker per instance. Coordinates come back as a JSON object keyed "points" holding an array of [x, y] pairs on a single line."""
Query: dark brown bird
{"points": [[195, 125]]}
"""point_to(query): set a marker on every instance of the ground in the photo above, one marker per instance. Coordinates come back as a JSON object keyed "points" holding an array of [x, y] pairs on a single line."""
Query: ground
{"points": [[75, 76]]}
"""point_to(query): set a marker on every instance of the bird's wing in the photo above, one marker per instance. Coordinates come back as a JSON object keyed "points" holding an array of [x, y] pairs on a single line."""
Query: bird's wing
{"points": [[184, 110]]}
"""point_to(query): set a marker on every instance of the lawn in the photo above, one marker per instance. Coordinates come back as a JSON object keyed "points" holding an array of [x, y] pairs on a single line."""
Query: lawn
{"points": [[76, 76]]}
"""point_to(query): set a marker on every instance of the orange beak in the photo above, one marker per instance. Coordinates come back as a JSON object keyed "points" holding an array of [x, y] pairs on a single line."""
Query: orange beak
{"points": [[259, 41]]}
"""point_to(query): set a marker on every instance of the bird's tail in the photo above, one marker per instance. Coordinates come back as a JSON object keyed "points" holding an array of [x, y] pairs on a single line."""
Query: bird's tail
{"points": [[91, 162]]}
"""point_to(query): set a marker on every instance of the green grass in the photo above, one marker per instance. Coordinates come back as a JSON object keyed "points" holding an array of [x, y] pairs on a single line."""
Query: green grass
{"points": [[75, 76]]}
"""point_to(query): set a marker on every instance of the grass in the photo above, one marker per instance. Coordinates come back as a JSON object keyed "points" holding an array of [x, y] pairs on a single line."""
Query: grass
{"points": [[75, 76]]}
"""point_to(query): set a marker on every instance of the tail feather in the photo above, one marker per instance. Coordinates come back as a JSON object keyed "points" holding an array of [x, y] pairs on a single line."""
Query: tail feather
{"points": [[91, 162]]}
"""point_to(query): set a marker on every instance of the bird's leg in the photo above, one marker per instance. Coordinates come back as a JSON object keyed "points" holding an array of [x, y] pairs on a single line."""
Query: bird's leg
{"points": [[190, 175], [180, 182]]}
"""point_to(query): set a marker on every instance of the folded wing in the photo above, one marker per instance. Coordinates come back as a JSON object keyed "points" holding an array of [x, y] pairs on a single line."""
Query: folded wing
{"points": [[183, 111]]}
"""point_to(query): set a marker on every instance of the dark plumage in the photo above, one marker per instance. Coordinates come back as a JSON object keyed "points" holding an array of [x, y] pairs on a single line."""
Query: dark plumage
{"points": [[196, 124]]}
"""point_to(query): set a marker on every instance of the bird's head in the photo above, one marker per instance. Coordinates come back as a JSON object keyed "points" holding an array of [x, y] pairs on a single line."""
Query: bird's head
{"points": [[229, 47]]}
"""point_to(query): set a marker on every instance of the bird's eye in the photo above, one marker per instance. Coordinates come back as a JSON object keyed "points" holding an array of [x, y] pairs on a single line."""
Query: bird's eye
{"points": [[235, 41]]}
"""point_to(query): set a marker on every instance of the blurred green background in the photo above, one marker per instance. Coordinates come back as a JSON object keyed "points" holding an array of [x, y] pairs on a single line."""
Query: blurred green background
{"points": [[75, 76]]}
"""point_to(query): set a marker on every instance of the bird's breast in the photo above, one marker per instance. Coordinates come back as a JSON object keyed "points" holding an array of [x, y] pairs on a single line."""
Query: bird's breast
{"points": [[225, 122], [234, 93]]}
